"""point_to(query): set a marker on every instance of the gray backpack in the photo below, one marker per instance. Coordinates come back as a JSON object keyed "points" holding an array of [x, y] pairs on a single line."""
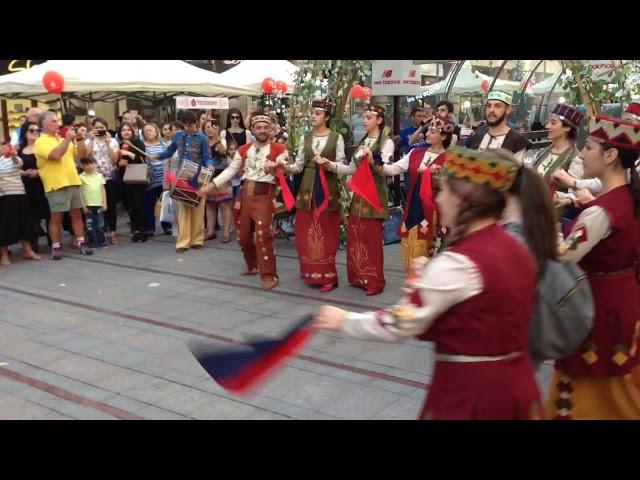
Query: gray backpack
{"points": [[563, 313]]}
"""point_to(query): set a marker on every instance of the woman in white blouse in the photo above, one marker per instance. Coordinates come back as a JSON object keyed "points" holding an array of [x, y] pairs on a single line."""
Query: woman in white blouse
{"points": [[474, 300], [365, 256]]}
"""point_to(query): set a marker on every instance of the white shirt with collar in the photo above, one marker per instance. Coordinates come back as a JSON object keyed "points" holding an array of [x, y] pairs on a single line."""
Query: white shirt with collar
{"points": [[253, 167]]}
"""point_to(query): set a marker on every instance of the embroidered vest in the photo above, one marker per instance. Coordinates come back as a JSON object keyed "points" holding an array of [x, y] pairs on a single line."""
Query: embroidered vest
{"points": [[496, 320], [611, 347], [360, 207], [304, 199], [514, 142], [275, 149], [562, 162]]}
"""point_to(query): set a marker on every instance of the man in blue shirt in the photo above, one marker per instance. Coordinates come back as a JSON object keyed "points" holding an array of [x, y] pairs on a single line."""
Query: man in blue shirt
{"points": [[192, 145], [416, 116]]}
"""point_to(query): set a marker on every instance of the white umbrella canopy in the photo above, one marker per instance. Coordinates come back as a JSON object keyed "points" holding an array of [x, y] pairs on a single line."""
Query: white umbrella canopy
{"points": [[469, 82], [545, 85], [250, 74], [83, 76]]}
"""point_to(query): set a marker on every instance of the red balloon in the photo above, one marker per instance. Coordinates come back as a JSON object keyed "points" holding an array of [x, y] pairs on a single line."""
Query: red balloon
{"points": [[53, 82], [484, 85], [366, 93], [268, 85], [282, 86], [356, 92]]}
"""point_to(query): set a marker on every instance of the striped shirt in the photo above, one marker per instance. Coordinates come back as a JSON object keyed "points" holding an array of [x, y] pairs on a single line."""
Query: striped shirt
{"points": [[10, 178], [156, 166]]}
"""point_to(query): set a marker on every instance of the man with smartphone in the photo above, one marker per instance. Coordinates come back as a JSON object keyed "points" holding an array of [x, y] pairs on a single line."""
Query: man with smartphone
{"points": [[55, 157], [417, 119]]}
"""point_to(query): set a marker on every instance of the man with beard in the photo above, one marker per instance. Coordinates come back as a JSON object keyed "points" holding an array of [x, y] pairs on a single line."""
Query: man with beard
{"points": [[499, 135], [253, 160]]}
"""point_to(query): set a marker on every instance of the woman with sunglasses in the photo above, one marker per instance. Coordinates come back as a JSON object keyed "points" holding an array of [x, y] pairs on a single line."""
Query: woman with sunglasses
{"points": [[38, 205], [420, 222], [235, 131]]}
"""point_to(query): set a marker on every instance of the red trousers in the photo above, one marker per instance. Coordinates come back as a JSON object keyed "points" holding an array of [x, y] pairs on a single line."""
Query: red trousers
{"points": [[317, 241], [365, 257], [255, 232]]}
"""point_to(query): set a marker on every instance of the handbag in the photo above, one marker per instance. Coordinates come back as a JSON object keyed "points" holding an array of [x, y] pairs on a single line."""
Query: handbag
{"points": [[391, 225], [136, 174], [564, 312]]}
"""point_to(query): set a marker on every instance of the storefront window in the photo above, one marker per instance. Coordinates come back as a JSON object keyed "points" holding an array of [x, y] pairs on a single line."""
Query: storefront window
{"points": [[543, 90]]}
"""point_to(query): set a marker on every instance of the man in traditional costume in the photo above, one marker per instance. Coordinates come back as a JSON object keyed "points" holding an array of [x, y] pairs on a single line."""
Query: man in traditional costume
{"points": [[258, 192], [499, 135]]}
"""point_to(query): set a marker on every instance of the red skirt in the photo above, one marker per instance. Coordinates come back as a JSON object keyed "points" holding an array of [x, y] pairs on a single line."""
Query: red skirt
{"points": [[317, 241], [365, 257], [501, 390]]}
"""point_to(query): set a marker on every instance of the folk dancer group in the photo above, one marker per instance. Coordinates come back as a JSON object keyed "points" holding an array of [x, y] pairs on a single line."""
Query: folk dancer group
{"points": [[475, 299]]}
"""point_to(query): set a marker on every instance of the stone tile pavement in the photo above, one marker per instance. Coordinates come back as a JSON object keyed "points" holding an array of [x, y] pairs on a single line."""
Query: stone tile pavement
{"points": [[104, 337]]}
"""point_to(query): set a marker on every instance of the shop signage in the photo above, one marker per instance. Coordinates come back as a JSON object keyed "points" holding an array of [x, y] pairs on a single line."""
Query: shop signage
{"points": [[201, 103], [603, 69], [395, 77]]}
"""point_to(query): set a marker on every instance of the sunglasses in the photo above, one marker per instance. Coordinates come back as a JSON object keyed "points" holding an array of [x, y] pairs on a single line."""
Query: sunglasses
{"points": [[33, 130], [235, 117]]}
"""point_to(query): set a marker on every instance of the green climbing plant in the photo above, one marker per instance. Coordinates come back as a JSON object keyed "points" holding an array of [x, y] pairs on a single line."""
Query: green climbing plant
{"points": [[581, 85], [319, 79]]}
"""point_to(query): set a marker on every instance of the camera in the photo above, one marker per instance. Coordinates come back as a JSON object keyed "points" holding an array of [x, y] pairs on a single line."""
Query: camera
{"points": [[101, 133]]}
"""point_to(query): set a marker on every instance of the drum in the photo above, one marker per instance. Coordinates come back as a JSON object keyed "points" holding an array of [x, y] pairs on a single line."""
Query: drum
{"points": [[190, 178]]}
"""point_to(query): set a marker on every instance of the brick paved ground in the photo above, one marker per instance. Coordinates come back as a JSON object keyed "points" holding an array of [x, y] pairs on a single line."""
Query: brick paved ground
{"points": [[92, 338]]}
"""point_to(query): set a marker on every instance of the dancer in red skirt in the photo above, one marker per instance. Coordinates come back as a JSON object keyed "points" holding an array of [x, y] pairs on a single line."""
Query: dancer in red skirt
{"points": [[474, 300], [365, 257], [318, 203], [601, 380], [420, 225]]}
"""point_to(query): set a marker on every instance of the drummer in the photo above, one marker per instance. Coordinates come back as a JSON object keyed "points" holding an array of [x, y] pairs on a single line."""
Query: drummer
{"points": [[192, 145]]}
